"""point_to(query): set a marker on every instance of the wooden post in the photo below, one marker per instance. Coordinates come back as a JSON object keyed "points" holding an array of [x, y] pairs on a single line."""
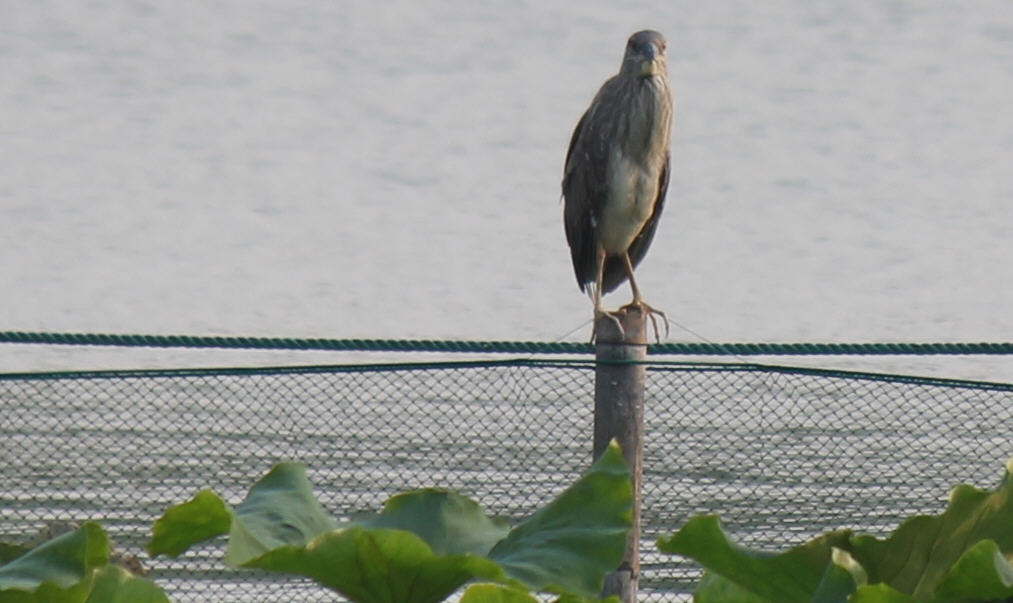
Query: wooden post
{"points": [[619, 414]]}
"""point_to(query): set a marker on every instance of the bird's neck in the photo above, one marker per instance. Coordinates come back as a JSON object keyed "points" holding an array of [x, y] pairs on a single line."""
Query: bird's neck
{"points": [[649, 120]]}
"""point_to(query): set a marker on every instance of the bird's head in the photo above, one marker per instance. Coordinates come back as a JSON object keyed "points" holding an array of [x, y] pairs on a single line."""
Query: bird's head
{"points": [[645, 54]]}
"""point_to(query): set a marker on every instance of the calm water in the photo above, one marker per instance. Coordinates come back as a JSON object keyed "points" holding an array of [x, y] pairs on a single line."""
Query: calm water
{"points": [[361, 169]]}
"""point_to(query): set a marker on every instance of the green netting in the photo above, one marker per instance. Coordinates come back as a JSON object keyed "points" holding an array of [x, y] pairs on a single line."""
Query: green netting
{"points": [[782, 454]]}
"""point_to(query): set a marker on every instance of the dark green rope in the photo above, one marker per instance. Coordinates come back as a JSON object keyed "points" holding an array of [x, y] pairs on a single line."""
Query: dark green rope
{"points": [[501, 347], [566, 363]]}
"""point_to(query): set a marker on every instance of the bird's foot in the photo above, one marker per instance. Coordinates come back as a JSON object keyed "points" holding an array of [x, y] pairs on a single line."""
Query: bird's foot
{"points": [[652, 313], [599, 314]]}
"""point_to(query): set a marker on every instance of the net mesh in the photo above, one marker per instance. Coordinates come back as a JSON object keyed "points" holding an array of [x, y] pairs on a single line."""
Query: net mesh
{"points": [[781, 454]]}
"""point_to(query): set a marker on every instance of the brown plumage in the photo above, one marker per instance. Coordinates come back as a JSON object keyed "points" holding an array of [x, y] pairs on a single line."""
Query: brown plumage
{"points": [[617, 169]]}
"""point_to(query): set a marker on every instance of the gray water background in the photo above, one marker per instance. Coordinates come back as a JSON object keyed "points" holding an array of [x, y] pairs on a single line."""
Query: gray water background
{"points": [[841, 172]]}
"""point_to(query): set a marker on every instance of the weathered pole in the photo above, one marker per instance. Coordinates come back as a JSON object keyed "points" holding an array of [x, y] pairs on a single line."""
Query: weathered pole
{"points": [[619, 414]]}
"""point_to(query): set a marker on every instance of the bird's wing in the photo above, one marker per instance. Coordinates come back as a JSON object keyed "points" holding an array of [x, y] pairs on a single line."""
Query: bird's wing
{"points": [[573, 142], [583, 195]]}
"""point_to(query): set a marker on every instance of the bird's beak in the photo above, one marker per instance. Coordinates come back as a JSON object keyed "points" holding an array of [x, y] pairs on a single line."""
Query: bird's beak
{"points": [[650, 64]]}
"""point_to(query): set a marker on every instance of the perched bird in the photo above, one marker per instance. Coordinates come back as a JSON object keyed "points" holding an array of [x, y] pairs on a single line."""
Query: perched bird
{"points": [[616, 174]]}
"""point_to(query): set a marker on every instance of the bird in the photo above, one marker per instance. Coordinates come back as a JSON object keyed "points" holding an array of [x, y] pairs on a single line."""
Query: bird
{"points": [[616, 174]]}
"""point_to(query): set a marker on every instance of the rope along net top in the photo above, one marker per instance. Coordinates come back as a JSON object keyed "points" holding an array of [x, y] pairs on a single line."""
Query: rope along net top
{"points": [[499, 347]]}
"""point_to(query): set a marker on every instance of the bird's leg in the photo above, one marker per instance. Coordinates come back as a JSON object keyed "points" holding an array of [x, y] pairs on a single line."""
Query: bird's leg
{"points": [[599, 306], [638, 301]]}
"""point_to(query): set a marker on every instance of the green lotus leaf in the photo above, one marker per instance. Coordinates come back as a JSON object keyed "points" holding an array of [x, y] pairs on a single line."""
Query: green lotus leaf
{"points": [[280, 510], [9, 552], [880, 593], [981, 573], [74, 568], [423, 545], [569, 545], [201, 518], [715, 588], [58, 570], [795, 575], [448, 522], [379, 565], [920, 553], [486, 592], [113, 584]]}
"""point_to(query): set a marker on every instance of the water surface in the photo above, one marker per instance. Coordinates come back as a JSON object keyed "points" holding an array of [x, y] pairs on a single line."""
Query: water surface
{"points": [[356, 169]]}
